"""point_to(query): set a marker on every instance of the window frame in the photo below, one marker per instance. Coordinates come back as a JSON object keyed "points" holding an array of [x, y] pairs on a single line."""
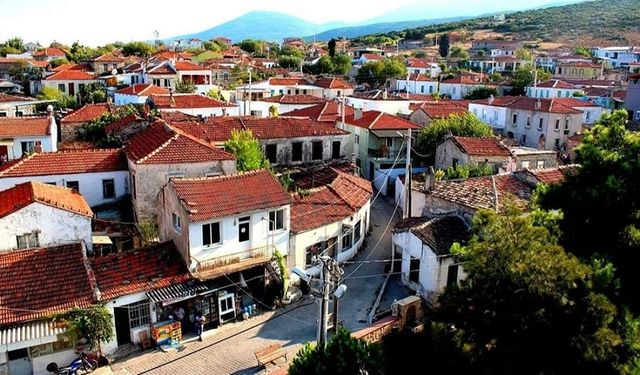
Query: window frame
{"points": [[414, 271], [105, 184], [176, 222], [210, 231], [314, 149], [73, 182], [294, 152], [139, 313], [278, 215], [30, 241]]}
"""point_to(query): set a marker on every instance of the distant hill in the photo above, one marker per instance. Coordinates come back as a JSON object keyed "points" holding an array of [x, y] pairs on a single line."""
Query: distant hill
{"points": [[599, 22]]}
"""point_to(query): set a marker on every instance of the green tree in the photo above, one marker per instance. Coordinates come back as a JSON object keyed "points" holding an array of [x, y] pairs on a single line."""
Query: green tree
{"points": [[601, 201], [214, 94], [524, 54], [59, 61], [583, 51], [332, 47], [459, 53], [481, 93], [140, 49], [93, 323], [251, 45], [291, 51], [93, 92], [94, 130], [524, 77], [79, 53], [325, 65], [466, 171], [15, 43], [185, 87], [341, 64], [527, 306], [377, 72], [466, 125], [62, 100], [343, 355], [289, 61], [247, 150], [443, 47]]}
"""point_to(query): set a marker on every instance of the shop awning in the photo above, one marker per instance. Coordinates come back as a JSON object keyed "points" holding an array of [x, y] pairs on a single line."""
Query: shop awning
{"points": [[176, 292], [101, 240], [27, 335]]}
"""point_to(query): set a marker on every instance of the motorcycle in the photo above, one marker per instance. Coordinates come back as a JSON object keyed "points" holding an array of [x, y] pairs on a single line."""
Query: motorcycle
{"points": [[82, 365]]}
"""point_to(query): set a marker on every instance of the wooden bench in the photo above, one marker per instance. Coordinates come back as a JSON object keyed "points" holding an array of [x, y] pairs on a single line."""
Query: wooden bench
{"points": [[270, 354]]}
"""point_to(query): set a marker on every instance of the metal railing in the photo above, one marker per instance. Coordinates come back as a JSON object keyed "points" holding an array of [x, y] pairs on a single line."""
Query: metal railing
{"points": [[383, 153], [224, 264]]}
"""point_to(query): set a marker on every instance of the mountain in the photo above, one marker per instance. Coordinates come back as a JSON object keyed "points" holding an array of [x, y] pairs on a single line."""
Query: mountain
{"points": [[590, 23], [268, 26]]}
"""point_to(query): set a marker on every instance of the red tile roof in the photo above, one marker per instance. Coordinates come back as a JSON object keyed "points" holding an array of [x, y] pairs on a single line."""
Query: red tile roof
{"points": [[467, 79], [160, 143], [141, 89], [340, 199], [187, 101], [417, 63], [555, 84], [39, 64], [215, 197], [86, 113], [66, 162], [25, 126], [22, 195], [38, 283], [164, 68], [288, 81], [294, 99], [444, 109], [185, 65], [420, 78], [70, 75], [554, 175], [332, 83], [71, 66], [529, 104], [479, 192], [218, 129], [139, 270], [110, 57], [371, 56], [487, 146], [326, 112], [376, 120], [50, 52], [576, 103], [6, 98]]}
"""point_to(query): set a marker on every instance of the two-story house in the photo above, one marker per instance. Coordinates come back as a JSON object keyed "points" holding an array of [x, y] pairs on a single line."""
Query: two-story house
{"points": [[137, 93], [20, 136], [463, 151], [579, 70], [16, 106], [458, 87], [325, 112], [417, 84], [226, 224], [69, 82], [333, 88], [161, 152], [553, 88], [192, 104], [282, 103]]}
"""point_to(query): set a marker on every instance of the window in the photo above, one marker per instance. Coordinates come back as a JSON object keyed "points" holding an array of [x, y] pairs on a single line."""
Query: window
{"points": [[108, 189], [27, 241], [525, 164], [276, 220], [133, 185], [296, 151], [19, 113], [175, 221], [156, 82], [540, 164], [226, 304], [455, 162], [316, 150], [105, 67], [211, 234], [243, 228], [588, 115], [422, 89], [138, 314], [53, 183], [557, 143], [171, 175], [514, 119], [637, 115], [3, 114], [81, 87], [524, 139], [358, 137], [557, 127], [347, 237], [540, 122], [430, 89], [356, 232], [414, 269], [271, 152], [28, 147], [452, 275], [61, 87], [335, 150], [566, 126], [75, 185], [528, 124]]}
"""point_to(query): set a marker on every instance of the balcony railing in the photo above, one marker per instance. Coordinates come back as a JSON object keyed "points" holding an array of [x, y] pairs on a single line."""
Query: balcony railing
{"points": [[216, 266], [384, 153]]}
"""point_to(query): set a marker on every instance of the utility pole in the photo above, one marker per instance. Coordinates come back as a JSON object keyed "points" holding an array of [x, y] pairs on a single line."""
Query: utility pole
{"points": [[250, 91], [406, 212], [323, 312]]}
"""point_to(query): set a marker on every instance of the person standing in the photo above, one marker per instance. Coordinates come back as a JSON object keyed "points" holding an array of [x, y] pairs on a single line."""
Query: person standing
{"points": [[199, 325]]}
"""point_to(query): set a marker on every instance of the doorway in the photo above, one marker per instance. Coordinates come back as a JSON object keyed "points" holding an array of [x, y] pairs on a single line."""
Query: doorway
{"points": [[121, 316], [4, 154], [19, 362]]}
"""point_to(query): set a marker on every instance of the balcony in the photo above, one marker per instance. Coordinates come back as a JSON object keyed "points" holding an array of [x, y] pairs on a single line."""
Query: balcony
{"points": [[384, 153], [216, 266]]}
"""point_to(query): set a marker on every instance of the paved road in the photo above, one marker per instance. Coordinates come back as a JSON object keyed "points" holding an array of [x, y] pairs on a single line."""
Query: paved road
{"points": [[231, 349]]}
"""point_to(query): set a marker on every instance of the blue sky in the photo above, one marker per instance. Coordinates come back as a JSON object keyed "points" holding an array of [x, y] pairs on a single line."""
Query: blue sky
{"points": [[99, 22]]}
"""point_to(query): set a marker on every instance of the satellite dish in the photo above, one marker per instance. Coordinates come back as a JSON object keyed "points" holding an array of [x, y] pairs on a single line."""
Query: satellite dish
{"points": [[114, 71]]}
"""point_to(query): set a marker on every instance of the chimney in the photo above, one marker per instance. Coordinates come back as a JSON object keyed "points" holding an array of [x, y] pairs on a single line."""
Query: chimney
{"points": [[491, 99], [538, 104], [384, 94], [357, 115]]}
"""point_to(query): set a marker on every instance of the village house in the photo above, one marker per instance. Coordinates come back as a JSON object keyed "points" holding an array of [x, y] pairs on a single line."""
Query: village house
{"points": [[495, 47], [632, 103], [423, 67], [137, 94], [100, 175], [32, 215], [161, 74], [333, 88], [538, 123], [56, 280], [70, 123], [195, 74], [591, 112], [106, 63], [618, 57], [377, 143], [192, 104], [69, 82], [161, 152], [425, 112], [465, 151], [226, 226], [328, 112], [497, 63], [282, 104], [332, 219], [49, 54], [459, 87], [531, 158], [428, 266], [21, 136], [285, 141], [379, 100], [17, 106], [367, 57], [579, 70], [553, 88], [417, 84]]}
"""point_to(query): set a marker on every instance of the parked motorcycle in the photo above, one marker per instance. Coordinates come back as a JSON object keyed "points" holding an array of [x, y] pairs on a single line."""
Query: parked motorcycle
{"points": [[82, 365]]}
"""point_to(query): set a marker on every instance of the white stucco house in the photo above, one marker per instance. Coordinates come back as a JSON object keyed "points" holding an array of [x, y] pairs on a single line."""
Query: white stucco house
{"points": [[332, 220], [458, 87], [194, 105], [225, 224], [424, 243], [417, 84], [20, 136], [69, 81], [137, 94], [333, 88], [379, 100], [553, 88], [100, 175], [33, 214]]}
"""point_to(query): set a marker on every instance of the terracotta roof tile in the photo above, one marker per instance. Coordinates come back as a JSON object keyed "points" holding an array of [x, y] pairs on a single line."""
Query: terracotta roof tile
{"points": [[555, 84], [163, 68], [51, 52], [22, 195], [371, 56], [141, 89], [187, 101], [70, 75], [114, 56], [160, 143], [288, 81], [332, 83], [6, 98], [186, 65], [139, 270], [86, 113], [66, 162], [120, 124], [377, 120], [333, 202], [439, 233], [25, 126], [554, 175], [324, 112], [43, 282], [214, 197], [529, 104], [294, 99], [444, 109], [486, 146]]}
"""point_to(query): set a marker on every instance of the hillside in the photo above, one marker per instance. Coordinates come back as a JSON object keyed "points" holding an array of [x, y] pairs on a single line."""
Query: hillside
{"points": [[600, 22]]}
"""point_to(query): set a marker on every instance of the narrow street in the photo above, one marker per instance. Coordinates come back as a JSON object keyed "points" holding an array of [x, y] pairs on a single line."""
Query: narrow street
{"points": [[230, 349]]}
